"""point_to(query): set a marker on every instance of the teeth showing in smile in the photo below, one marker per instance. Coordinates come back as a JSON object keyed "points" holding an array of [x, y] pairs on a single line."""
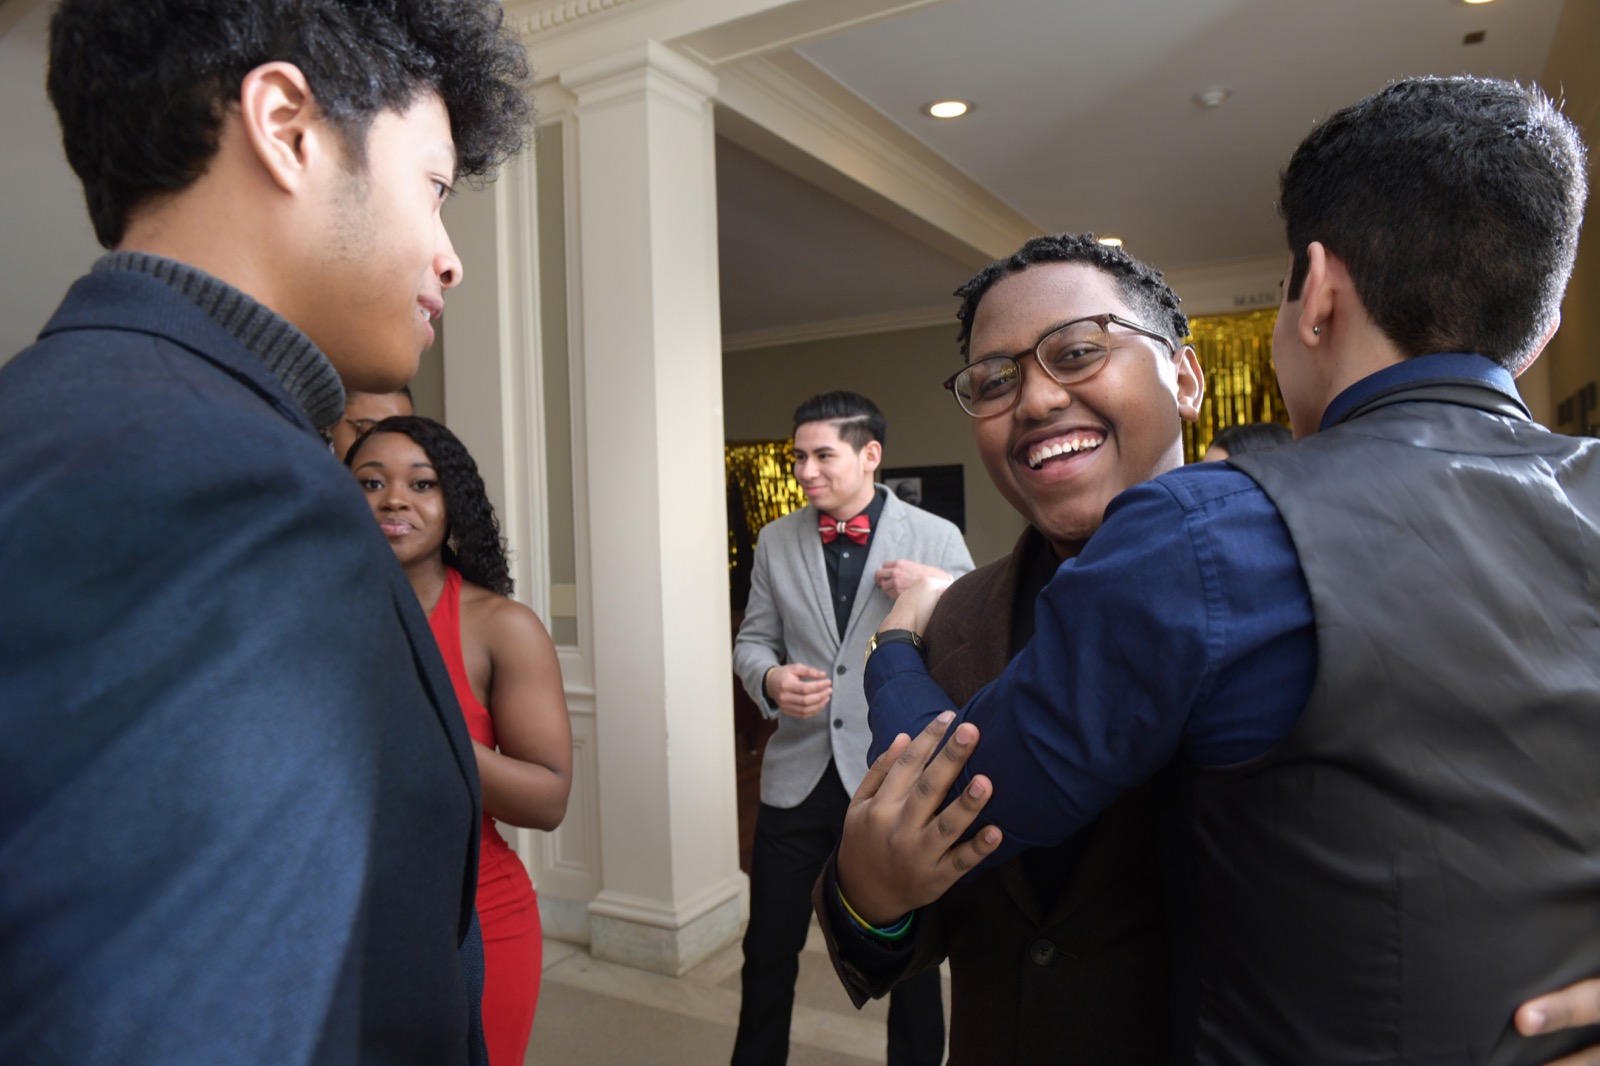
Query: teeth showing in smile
{"points": [[1062, 446]]}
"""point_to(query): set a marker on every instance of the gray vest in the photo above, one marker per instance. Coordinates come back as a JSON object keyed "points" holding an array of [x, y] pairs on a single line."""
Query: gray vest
{"points": [[1422, 853]]}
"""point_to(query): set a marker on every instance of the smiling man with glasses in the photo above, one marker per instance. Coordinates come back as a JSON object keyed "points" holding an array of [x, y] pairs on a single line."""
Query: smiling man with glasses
{"points": [[1069, 944]]}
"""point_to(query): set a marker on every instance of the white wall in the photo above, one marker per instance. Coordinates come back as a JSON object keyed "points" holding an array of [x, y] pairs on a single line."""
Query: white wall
{"points": [[45, 234]]}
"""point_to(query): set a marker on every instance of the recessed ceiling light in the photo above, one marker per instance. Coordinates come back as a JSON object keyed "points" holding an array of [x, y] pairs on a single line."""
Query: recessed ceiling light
{"points": [[1477, 1], [1212, 97], [1114, 242], [947, 108]]}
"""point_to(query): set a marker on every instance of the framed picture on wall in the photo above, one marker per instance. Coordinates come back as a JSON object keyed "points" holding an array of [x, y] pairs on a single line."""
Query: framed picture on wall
{"points": [[939, 489]]}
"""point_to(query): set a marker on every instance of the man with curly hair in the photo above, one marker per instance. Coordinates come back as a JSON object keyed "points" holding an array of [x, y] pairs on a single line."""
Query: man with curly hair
{"points": [[240, 807], [1067, 944]]}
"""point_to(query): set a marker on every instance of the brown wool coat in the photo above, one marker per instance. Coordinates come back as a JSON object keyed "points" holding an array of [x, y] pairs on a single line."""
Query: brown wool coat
{"points": [[1083, 980]]}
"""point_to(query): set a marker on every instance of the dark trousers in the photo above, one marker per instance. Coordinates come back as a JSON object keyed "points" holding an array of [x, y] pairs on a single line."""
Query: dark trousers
{"points": [[791, 847]]}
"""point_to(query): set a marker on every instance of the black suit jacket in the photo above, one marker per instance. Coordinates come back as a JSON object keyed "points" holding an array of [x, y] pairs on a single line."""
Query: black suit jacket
{"points": [[238, 803], [1079, 979]]}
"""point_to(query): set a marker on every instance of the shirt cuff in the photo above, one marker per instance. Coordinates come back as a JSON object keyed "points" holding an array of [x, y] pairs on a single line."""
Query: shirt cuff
{"points": [[889, 660]]}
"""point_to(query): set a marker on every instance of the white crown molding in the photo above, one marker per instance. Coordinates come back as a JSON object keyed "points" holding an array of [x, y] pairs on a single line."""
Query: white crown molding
{"points": [[854, 326], [530, 22], [782, 26], [620, 74]]}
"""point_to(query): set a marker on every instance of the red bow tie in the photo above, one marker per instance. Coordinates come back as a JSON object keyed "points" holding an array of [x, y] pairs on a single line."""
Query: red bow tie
{"points": [[857, 529]]}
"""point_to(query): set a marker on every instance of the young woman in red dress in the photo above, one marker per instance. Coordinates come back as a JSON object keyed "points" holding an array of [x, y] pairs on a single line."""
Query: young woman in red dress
{"points": [[429, 501]]}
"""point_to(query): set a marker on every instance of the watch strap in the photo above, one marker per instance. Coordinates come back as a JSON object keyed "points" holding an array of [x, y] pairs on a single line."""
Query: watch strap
{"points": [[893, 636]]}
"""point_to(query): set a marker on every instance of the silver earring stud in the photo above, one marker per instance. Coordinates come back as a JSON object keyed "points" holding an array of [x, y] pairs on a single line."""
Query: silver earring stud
{"points": [[1316, 331]]}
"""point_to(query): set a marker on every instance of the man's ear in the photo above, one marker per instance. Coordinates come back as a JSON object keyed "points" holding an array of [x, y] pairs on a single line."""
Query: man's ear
{"points": [[872, 453], [1538, 349], [282, 122], [1316, 297], [1191, 384]]}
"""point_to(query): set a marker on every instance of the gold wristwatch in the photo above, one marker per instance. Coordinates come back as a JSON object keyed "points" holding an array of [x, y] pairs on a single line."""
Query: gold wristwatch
{"points": [[891, 636]]}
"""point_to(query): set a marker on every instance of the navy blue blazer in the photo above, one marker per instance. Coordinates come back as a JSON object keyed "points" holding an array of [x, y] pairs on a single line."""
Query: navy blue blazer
{"points": [[238, 803]]}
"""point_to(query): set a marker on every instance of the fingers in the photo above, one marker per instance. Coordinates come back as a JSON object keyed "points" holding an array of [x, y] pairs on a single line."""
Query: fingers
{"points": [[968, 854], [954, 819], [880, 769], [801, 698], [900, 850], [802, 708], [806, 698], [1573, 1006], [906, 773], [935, 780], [891, 579]]}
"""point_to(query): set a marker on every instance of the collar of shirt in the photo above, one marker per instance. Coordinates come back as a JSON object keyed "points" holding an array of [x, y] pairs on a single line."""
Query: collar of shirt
{"points": [[1455, 367], [873, 511]]}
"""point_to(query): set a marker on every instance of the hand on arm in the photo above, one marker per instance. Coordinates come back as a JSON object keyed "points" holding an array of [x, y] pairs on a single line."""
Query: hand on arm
{"points": [[897, 575], [800, 691], [915, 604], [1574, 1006], [527, 781], [899, 850]]}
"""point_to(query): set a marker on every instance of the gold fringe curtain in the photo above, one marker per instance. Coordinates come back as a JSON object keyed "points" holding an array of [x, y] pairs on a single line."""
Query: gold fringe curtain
{"points": [[761, 484], [1236, 357]]}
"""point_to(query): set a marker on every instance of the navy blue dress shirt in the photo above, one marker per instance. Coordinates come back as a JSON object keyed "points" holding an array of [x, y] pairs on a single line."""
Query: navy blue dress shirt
{"points": [[1183, 630]]}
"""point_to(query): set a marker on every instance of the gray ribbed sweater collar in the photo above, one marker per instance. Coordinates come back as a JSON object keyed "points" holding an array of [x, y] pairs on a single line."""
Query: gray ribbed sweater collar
{"points": [[297, 363]]}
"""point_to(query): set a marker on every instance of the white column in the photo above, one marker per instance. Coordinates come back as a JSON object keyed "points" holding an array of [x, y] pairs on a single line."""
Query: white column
{"points": [[651, 413]]}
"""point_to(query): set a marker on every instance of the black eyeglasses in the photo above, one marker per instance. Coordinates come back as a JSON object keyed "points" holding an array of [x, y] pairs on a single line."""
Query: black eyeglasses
{"points": [[1069, 354]]}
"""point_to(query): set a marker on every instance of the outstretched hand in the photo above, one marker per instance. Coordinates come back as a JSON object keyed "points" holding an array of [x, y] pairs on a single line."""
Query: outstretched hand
{"points": [[900, 851], [1574, 1006]]}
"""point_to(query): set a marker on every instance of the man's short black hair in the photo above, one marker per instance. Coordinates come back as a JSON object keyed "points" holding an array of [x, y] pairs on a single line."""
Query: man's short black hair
{"points": [[1139, 284], [141, 88], [857, 418], [1455, 204], [1251, 437]]}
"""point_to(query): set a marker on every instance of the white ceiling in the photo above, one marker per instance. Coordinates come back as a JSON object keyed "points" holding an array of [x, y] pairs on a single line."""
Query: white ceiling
{"points": [[1085, 120], [792, 254]]}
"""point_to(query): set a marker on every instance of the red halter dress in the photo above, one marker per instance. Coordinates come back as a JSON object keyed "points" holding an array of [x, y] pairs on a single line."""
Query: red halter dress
{"points": [[508, 911]]}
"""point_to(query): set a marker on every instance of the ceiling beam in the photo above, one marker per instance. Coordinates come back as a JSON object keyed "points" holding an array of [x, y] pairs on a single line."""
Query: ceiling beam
{"points": [[784, 109]]}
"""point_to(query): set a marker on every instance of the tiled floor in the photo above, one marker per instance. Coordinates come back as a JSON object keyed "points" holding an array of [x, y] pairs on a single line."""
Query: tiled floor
{"points": [[594, 1013]]}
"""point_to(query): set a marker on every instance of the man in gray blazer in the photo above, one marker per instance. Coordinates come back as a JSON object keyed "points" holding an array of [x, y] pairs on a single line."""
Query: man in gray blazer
{"points": [[824, 578]]}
